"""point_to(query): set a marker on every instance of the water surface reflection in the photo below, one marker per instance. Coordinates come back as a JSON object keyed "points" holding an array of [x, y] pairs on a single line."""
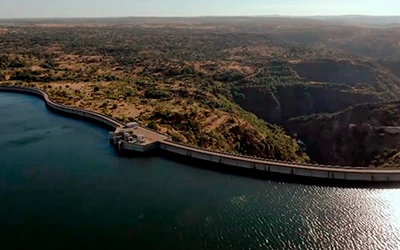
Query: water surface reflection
{"points": [[63, 186]]}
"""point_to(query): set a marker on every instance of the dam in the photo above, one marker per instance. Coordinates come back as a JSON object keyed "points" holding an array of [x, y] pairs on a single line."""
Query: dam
{"points": [[54, 191], [136, 138]]}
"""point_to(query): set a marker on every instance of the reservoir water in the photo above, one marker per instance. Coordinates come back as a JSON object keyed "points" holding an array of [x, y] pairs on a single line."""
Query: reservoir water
{"points": [[63, 186]]}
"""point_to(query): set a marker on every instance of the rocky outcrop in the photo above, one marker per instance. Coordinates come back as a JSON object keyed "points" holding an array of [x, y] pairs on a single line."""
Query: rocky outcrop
{"points": [[337, 72], [262, 102], [363, 135], [288, 101], [393, 66], [357, 75]]}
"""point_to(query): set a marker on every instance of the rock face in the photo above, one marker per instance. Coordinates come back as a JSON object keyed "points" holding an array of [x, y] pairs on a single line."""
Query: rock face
{"points": [[371, 75], [337, 72], [363, 135], [325, 86], [285, 102], [262, 102], [393, 66]]}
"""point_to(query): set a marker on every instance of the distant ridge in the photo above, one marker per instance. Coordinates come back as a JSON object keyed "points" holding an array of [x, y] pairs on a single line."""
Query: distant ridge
{"points": [[351, 19], [376, 21]]}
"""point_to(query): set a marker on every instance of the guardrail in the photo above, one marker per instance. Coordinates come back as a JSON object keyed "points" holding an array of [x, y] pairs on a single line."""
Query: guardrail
{"points": [[337, 167]]}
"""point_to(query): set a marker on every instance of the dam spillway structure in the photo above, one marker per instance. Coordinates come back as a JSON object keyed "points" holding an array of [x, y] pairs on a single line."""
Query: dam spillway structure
{"points": [[134, 138], [127, 134]]}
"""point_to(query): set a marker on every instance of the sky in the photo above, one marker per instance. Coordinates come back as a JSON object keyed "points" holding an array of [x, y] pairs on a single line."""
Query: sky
{"points": [[118, 8]]}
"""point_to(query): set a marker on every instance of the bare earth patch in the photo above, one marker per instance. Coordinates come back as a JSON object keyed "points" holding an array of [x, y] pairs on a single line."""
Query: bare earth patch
{"points": [[221, 120]]}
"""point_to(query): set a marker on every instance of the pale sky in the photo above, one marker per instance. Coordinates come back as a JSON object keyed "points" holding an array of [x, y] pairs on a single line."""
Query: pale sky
{"points": [[116, 8]]}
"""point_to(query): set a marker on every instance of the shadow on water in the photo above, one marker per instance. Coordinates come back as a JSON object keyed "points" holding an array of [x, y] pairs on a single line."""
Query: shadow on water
{"points": [[258, 174], [25, 141]]}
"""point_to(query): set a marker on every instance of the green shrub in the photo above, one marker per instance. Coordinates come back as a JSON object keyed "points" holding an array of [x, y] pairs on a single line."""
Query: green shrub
{"points": [[152, 125], [155, 93]]}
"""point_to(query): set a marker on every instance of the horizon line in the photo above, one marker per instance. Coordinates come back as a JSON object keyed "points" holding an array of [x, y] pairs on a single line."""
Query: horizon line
{"points": [[199, 16]]}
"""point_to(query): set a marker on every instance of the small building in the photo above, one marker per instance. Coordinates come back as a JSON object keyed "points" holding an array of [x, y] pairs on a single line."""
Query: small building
{"points": [[132, 125]]}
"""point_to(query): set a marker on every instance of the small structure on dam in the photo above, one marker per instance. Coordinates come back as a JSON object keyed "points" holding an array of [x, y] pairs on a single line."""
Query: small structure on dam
{"points": [[127, 135], [133, 137]]}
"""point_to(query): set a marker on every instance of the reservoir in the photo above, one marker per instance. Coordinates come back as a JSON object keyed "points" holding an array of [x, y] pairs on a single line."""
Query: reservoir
{"points": [[63, 186]]}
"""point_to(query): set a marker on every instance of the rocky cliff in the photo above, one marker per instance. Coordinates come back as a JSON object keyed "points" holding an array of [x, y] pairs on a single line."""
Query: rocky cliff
{"points": [[324, 86], [363, 135], [359, 74], [284, 102], [392, 65]]}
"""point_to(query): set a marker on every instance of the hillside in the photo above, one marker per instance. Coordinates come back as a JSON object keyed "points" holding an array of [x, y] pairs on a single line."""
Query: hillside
{"points": [[222, 83]]}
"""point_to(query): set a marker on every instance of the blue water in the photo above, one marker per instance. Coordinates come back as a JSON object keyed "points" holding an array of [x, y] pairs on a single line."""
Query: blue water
{"points": [[63, 186]]}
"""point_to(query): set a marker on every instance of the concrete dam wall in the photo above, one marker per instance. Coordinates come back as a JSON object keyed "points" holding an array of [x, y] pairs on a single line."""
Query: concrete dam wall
{"points": [[305, 170], [105, 120], [339, 173]]}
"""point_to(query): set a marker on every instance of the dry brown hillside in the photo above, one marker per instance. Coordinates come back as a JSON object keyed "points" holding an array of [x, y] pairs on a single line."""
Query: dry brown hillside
{"points": [[222, 83]]}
